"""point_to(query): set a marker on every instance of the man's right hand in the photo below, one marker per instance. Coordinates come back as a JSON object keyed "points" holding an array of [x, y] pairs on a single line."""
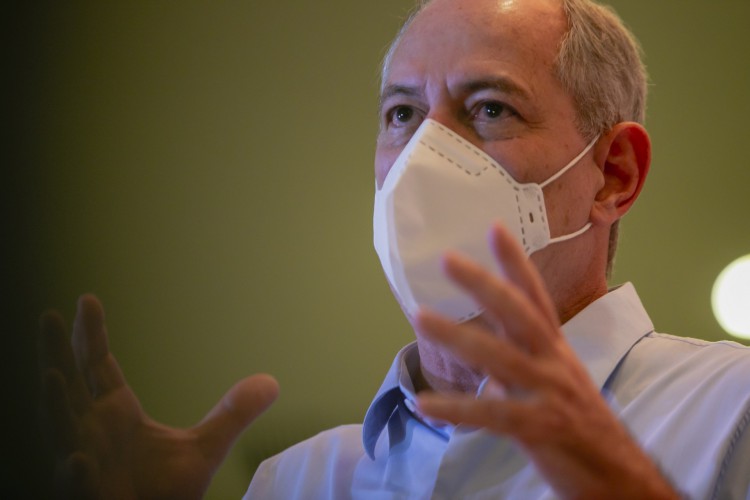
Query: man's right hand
{"points": [[107, 447]]}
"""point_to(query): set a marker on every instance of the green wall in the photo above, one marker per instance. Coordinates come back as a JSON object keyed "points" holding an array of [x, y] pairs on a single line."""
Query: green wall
{"points": [[205, 168]]}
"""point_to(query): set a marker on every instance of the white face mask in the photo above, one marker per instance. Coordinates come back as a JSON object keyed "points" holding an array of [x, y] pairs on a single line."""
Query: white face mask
{"points": [[443, 193]]}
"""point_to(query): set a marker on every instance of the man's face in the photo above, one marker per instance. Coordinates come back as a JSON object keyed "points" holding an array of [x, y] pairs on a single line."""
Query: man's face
{"points": [[485, 69]]}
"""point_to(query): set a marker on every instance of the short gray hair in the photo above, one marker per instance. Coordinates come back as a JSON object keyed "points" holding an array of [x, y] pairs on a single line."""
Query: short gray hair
{"points": [[599, 63]]}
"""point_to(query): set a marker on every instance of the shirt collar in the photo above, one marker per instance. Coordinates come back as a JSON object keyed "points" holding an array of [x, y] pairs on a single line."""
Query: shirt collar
{"points": [[601, 335], [395, 388], [605, 331]]}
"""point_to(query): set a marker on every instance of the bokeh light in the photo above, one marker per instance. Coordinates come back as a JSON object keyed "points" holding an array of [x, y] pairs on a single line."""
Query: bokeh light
{"points": [[730, 298]]}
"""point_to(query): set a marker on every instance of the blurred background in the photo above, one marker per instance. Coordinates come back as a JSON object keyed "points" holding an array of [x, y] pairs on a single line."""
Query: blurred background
{"points": [[205, 168]]}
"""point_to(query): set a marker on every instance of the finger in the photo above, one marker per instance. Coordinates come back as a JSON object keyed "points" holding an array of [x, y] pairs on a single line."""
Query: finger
{"points": [[91, 348], [521, 420], [518, 269], [496, 357], [242, 404], [55, 353], [504, 302]]}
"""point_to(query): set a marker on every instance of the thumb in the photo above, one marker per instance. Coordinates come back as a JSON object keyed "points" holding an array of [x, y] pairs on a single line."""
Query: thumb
{"points": [[242, 404]]}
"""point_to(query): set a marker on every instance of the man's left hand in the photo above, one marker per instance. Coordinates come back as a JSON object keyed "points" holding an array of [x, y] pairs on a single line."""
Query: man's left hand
{"points": [[548, 403]]}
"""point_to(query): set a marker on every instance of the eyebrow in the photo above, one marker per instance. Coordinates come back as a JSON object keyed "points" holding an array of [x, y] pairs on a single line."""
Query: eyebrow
{"points": [[393, 89], [500, 83]]}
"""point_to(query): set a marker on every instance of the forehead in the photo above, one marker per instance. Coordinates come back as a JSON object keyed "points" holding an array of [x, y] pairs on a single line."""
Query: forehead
{"points": [[454, 36]]}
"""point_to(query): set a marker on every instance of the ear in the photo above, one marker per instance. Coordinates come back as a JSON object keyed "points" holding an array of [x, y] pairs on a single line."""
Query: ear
{"points": [[623, 156]]}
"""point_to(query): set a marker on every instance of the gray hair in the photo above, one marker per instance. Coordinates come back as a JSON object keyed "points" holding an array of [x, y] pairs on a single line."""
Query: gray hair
{"points": [[599, 63]]}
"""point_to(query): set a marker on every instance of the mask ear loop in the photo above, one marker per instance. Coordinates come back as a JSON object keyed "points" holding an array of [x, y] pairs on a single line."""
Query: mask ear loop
{"points": [[564, 237], [570, 165], [559, 174]]}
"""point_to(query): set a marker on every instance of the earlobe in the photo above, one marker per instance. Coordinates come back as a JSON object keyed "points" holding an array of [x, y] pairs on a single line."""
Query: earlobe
{"points": [[624, 167]]}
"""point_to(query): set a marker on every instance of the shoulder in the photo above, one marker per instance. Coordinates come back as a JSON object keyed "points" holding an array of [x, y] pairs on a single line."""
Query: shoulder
{"points": [[659, 351], [675, 367], [320, 465], [688, 402]]}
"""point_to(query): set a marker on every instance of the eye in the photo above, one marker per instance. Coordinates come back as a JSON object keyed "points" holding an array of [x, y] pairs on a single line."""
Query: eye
{"points": [[402, 114], [492, 110]]}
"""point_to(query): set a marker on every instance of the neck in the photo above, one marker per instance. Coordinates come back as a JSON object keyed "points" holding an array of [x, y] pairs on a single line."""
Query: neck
{"points": [[441, 371], [578, 284]]}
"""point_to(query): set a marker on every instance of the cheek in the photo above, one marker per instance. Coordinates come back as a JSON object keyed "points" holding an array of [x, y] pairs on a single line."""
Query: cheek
{"points": [[559, 203], [569, 203], [383, 162], [520, 161]]}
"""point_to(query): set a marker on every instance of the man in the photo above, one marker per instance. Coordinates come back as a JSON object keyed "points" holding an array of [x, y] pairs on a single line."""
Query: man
{"points": [[495, 399]]}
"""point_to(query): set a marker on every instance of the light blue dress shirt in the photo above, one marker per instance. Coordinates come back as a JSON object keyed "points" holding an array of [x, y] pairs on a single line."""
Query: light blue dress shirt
{"points": [[686, 401]]}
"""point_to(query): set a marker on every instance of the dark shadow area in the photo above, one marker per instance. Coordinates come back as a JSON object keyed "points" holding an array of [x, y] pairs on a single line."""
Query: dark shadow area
{"points": [[26, 471]]}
